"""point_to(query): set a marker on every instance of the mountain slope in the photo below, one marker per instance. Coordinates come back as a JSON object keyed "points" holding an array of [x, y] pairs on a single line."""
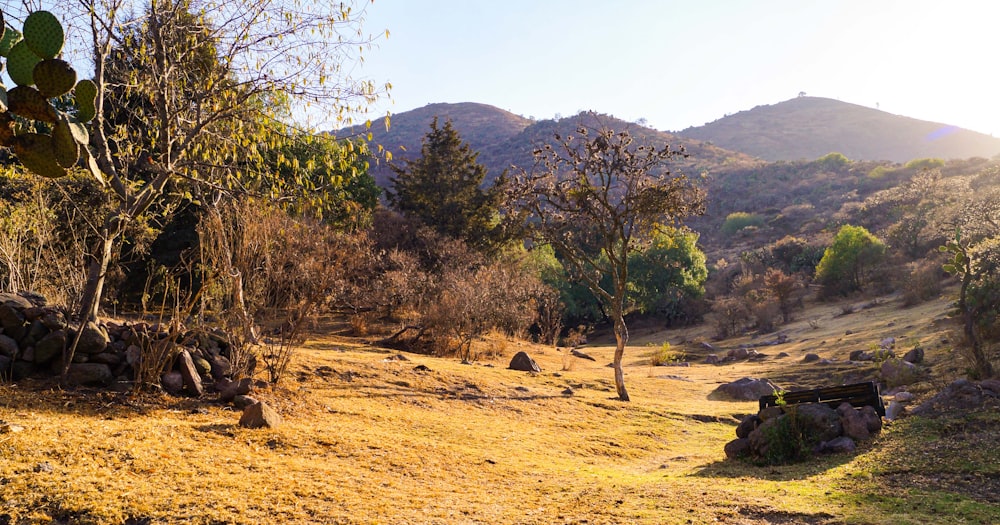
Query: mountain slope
{"points": [[810, 127], [504, 139]]}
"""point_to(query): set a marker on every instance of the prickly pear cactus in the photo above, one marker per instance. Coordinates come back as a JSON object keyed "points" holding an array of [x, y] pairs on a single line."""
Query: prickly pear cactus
{"points": [[33, 65], [44, 34]]}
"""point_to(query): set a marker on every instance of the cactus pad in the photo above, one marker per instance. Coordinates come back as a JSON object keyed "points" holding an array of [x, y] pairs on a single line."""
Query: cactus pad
{"points": [[10, 37], [65, 148], [21, 64], [91, 163], [54, 77], [27, 102], [35, 151], [44, 34], [86, 96]]}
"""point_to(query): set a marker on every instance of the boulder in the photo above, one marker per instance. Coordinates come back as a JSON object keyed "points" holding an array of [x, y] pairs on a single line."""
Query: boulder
{"points": [[107, 358], [748, 425], [12, 321], [202, 364], [895, 410], [259, 415], [221, 367], [737, 448], [8, 347], [810, 358], [839, 445], [91, 374], [737, 354], [817, 421], [172, 382], [861, 355], [241, 402], [93, 340], [712, 359], [22, 369], [189, 374], [228, 390], [872, 419], [853, 422], [959, 395], [15, 301], [915, 356], [523, 363], [745, 389], [993, 385], [50, 347], [897, 372], [5, 363]]}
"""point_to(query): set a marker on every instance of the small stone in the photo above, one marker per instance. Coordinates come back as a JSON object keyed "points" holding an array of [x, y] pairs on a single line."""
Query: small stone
{"points": [[837, 446], [567, 392], [810, 358], [92, 374], [712, 359], [259, 415]]}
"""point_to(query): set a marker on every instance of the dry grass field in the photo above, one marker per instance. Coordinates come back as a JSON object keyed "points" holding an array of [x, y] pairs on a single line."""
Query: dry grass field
{"points": [[368, 437]]}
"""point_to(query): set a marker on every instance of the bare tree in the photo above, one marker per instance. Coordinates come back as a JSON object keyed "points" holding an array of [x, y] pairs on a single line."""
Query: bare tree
{"points": [[594, 197]]}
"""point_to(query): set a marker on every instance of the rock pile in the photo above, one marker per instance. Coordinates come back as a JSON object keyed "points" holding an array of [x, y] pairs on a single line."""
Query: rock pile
{"points": [[33, 336], [793, 432]]}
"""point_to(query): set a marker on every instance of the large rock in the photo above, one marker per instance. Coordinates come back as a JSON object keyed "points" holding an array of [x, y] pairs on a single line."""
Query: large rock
{"points": [[50, 347], [15, 301], [189, 373], [523, 363], [748, 425], [91, 374], [745, 389], [8, 346], [817, 421], [259, 415], [839, 445], [959, 395], [172, 382], [897, 372], [855, 426], [228, 390], [12, 320], [737, 448], [915, 356], [94, 339], [5, 362], [221, 367]]}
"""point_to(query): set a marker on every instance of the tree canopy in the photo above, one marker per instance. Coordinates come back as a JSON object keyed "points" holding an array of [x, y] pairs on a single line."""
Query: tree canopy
{"points": [[443, 188], [595, 196]]}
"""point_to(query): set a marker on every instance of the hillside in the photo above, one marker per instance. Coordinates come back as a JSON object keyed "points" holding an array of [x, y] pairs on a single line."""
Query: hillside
{"points": [[504, 139], [806, 128]]}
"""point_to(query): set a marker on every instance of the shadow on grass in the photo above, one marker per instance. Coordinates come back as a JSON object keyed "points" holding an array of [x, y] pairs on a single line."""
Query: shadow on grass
{"points": [[740, 468]]}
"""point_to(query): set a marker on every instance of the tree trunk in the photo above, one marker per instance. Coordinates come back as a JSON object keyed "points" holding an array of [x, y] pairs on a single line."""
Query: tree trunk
{"points": [[90, 303], [621, 338]]}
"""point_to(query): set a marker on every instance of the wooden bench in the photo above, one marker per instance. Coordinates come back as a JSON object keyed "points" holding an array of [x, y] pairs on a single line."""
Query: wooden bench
{"points": [[857, 394]]}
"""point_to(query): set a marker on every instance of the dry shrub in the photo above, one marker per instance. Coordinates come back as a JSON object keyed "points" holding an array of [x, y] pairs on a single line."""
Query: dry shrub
{"points": [[731, 316], [575, 337], [766, 315], [258, 262], [923, 282]]}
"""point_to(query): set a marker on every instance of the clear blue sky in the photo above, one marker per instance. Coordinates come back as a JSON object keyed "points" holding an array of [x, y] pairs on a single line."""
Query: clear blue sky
{"points": [[684, 63]]}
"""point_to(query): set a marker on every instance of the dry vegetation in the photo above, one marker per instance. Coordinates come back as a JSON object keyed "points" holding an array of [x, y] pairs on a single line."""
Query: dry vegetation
{"points": [[369, 438]]}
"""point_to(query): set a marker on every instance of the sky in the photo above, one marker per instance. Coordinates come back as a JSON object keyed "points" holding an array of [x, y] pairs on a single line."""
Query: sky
{"points": [[679, 64]]}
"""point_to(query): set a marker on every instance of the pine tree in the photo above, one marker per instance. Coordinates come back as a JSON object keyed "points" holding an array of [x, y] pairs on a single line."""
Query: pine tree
{"points": [[443, 189]]}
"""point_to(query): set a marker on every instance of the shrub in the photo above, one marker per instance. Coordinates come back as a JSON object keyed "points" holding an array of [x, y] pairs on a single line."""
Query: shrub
{"points": [[665, 355], [925, 164], [849, 263], [740, 220], [922, 283]]}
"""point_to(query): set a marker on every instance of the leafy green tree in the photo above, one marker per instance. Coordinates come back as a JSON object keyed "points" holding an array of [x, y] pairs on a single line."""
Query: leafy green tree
{"points": [[595, 198], [443, 189], [849, 263], [668, 274]]}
